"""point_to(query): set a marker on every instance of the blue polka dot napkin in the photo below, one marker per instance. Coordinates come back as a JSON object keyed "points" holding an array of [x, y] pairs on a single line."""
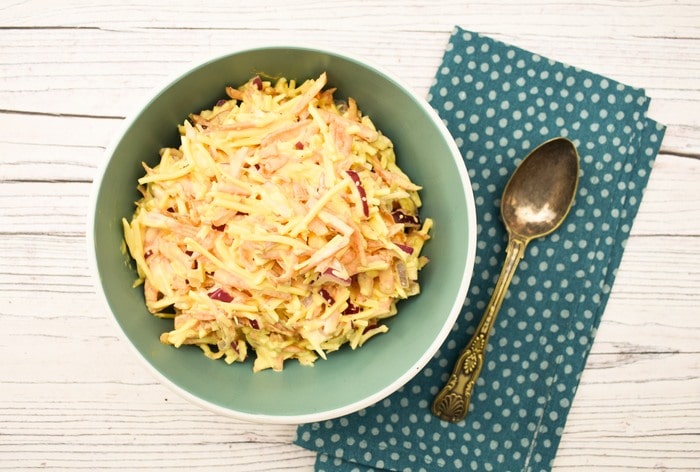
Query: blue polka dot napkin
{"points": [[499, 102]]}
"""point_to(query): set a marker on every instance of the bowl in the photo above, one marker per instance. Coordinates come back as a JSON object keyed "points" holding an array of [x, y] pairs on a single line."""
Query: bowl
{"points": [[348, 380]]}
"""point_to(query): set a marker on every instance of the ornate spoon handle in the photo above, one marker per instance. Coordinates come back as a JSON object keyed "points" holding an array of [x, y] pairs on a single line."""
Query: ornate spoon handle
{"points": [[452, 402]]}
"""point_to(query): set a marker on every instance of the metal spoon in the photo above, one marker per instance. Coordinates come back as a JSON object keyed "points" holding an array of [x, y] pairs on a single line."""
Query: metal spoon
{"points": [[535, 202]]}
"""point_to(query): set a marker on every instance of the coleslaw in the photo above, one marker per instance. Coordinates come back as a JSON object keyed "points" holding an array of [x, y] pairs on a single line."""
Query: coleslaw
{"points": [[281, 225]]}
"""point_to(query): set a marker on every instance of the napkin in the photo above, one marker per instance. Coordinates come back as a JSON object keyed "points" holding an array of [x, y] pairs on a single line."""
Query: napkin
{"points": [[499, 102]]}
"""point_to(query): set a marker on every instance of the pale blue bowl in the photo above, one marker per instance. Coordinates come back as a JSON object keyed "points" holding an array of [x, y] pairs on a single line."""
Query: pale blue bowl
{"points": [[348, 380]]}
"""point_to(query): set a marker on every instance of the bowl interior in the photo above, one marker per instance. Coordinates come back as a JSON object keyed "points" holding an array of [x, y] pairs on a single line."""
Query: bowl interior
{"points": [[349, 379]]}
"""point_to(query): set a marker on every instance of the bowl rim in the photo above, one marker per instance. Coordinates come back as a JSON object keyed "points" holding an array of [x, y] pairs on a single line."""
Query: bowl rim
{"points": [[390, 388]]}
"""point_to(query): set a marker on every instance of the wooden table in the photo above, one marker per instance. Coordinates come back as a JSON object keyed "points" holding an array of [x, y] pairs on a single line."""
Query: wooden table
{"points": [[72, 395]]}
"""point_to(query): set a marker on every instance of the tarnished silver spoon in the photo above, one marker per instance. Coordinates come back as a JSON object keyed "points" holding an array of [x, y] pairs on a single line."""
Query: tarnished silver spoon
{"points": [[535, 202]]}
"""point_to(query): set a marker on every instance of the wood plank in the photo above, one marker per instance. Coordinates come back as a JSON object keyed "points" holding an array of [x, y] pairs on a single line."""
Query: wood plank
{"points": [[637, 415], [44, 207], [133, 427], [669, 205], [52, 148], [655, 17]]}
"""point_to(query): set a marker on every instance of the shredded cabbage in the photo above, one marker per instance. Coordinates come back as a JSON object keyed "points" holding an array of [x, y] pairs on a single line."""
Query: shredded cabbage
{"points": [[281, 225]]}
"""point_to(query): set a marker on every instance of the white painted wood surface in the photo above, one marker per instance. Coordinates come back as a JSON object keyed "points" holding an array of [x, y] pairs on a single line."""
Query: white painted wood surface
{"points": [[72, 395]]}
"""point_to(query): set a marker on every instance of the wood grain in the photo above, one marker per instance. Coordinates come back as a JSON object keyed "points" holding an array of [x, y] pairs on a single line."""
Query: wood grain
{"points": [[72, 394]]}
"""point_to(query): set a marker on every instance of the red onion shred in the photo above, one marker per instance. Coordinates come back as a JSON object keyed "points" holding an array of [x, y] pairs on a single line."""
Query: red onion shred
{"points": [[407, 249], [326, 296], [361, 190], [330, 275], [220, 295], [369, 327], [408, 220], [351, 309]]}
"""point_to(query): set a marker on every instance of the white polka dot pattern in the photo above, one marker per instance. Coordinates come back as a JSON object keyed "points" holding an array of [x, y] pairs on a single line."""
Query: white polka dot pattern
{"points": [[499, 102]]}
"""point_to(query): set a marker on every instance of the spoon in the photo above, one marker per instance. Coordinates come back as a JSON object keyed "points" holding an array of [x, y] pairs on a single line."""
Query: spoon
{"points": [[535, 202]]}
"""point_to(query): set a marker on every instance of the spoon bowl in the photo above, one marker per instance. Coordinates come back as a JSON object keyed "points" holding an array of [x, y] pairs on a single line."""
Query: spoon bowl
{"points": [[540, 192], [535, 202]]}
